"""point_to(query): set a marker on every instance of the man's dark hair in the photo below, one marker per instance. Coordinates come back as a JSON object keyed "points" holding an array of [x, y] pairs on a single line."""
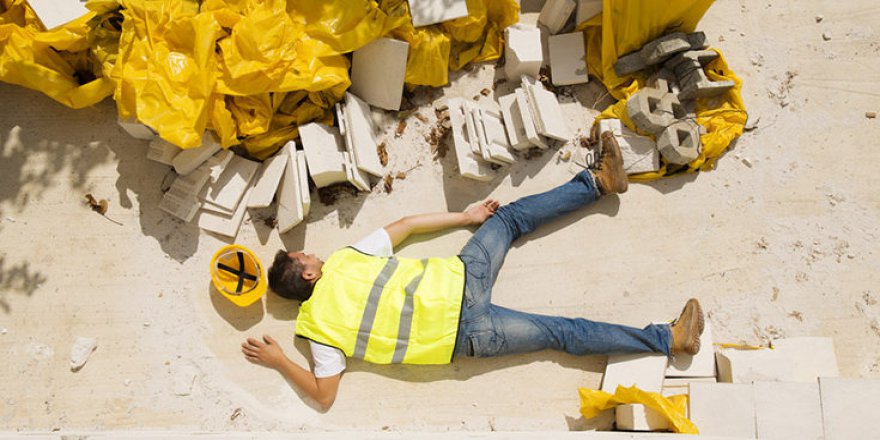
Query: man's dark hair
{"points": [[285, 278]]}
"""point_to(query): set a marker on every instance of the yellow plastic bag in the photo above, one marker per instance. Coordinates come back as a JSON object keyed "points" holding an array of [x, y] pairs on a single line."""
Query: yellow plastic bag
{"points": [[672, 408], [625, 26]]}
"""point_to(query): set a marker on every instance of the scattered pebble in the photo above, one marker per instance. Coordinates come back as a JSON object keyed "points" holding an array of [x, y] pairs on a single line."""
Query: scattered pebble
{"points": [[126, 382], [146, 324], [826, 36], [747, 162], [819, 18], [870, 115], [3, 331], [10, 219], [80, 351], [752, 123]]}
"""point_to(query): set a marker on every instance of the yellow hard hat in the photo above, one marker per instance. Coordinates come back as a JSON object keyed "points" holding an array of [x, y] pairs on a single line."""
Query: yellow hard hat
{"points": [[238, 275]]}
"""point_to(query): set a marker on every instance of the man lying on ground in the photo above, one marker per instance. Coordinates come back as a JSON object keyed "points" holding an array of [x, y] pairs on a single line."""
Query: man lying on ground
{"points": [[365, 303]]}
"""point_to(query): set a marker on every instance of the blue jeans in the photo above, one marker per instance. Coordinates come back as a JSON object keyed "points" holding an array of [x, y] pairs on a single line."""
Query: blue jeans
{"points": [[489, 330]]}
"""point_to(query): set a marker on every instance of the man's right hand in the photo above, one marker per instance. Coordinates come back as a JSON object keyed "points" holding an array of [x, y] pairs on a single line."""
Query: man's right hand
{"points": [[267, 353]]}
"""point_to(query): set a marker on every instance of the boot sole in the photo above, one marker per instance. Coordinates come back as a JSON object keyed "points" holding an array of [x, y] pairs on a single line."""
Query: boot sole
{"points": [[696, 326]]}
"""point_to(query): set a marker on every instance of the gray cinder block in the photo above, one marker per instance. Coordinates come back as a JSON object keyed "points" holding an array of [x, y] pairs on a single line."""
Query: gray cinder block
{"points": [[679, 143], [662, 48], [651, 109]]}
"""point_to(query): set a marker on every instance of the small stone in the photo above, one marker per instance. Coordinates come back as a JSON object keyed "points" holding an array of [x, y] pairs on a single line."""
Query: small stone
{"points": [[826, 36], [10, 219], [146, 324], [870, 115], [819, 18], [126, 382], [747, 162], [80, 351], [3, 331]]}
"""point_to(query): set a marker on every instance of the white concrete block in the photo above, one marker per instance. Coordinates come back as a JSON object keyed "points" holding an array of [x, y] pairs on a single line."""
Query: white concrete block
{"points": [[180, 203], [612, 125], [522, 102], [470, 125], [190, 159], [377, 72], [642, 370], [193, 182], [290, 207], [788, 411], [468, 165], [587, 9], [224, 224], [701, 364], [425, 12], [303, 172], [523, 52], [230, 188], [268, 178], [356, 176], [217, 163], [324, 149], [568, 59], [513, 123], [850, 408], [491, 137], [162, 151], [812, 357], [360, 135], [54, 13], [555, 14], [546, 111], [722, 409], [137, 130], [638, 417], [747, 366], [640, 154]]}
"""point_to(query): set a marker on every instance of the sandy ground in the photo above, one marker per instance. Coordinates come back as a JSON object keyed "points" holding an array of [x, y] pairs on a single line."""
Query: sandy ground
{"points": [[779, 240]]}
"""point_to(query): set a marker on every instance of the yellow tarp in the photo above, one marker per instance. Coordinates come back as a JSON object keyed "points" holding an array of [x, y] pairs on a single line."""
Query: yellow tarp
{"points": [[672, 408], [251, 70], [625, 26]]}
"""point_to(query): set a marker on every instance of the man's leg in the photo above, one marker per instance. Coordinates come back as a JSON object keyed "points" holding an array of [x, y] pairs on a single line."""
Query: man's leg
{"points": [[509, 331], [485, 251]]}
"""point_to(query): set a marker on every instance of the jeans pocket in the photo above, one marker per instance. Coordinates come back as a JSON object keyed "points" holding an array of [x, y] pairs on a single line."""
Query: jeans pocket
{"points": [[484, 343]]}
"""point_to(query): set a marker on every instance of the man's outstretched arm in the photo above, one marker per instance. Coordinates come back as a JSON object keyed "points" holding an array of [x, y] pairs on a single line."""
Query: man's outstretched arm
{"points": [[269, 354], [425, 223]]}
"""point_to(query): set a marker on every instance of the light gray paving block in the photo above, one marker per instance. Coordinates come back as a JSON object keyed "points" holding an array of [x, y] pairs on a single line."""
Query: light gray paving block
{"points": [[679, 143], [180, 203], [425, 12], [522, 101], [493, 142], [189, 159], [629, 63], [228, 191], [850, 408], [513, 123], [377, 72], [356, 176], [324, 149], [290, 207], [523, 52], [612, 125], [660, 49], [747, 366], [555, 14], [568, 59], [642, 370], [788, 411], [268, 178], [651, 110], [303, 172], [360, 135], [162, 151], [811, 357], [227, 225], [546, 111], [587, 9], [137, 130], [722, 409]]}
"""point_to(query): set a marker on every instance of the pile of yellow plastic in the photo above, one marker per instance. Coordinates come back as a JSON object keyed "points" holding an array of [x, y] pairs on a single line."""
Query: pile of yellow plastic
{"points": [[251, 70], [671, 408], [625, 26]]}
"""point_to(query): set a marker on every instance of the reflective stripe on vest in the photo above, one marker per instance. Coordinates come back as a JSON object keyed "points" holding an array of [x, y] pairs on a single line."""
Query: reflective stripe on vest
{"points": [[386, 310]]}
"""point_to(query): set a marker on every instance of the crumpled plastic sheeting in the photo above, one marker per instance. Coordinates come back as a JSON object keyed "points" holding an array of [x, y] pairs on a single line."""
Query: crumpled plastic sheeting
{"points": [[672, 408], [57, 63], [251, 70], [625, 26]]}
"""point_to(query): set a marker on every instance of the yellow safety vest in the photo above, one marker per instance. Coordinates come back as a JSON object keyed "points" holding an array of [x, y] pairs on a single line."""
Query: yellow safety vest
{"points": [[386, 309]]}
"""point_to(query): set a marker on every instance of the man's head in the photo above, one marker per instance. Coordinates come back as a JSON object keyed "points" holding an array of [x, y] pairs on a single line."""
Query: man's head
{"points": [[293, 274]]}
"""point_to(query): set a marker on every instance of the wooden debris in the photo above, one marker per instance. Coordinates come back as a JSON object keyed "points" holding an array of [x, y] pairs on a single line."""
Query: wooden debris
{"points": [[389, 183], [383, 153], [422, 118]]}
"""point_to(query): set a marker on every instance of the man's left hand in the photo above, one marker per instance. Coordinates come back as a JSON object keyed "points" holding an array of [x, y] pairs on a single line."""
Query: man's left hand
{"points": [[478, 214]]}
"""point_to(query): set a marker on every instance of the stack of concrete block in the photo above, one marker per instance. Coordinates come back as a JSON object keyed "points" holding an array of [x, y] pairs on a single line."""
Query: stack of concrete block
{"points": [[136, 129], [462, 139], [587, 9], [182, 198], [659, 50], [493, 143], [357, 128], [656, 111], [688, 68], [425, 12], [377, 72], [568, 59], [640, 154], [55, 13], [189, 159], [545, 110], [162, 151], [513, 122], [555, 14], [528, 118], [523, 52], [224, 195], [792, 359]]}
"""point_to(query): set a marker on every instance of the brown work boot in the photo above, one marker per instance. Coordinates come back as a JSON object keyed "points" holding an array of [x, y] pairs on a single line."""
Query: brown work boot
{"points": [[610, 175], [686, 330]]}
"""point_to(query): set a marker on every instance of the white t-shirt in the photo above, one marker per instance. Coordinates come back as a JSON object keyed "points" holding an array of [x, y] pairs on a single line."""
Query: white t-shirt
{"points": [[330, 361]]}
